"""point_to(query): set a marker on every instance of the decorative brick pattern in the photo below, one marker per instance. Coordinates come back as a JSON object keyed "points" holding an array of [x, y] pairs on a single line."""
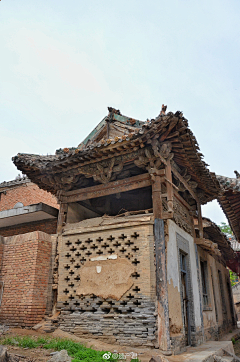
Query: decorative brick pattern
{"points": [[132, 319], [25, 270]]}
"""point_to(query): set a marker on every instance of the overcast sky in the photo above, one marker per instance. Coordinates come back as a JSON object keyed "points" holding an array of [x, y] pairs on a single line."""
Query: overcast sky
{"points": [[63, 62]]}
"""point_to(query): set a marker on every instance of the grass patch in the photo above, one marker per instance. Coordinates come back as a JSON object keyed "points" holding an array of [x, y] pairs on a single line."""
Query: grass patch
{"points": [[78, 351]]}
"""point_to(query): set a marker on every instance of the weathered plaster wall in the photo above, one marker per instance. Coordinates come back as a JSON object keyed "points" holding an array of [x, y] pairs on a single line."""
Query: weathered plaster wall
{"points": [[217, 315], [24, 271], [236, 299], [173, 273], [127, 316], [173, 276]]}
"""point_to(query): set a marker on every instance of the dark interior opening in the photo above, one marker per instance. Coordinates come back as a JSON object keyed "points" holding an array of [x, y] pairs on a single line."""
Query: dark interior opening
{"points": [[115, 204]]}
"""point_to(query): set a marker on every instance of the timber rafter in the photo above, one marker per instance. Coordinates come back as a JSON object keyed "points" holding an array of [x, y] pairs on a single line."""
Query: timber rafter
{"points": [[159, 134]]}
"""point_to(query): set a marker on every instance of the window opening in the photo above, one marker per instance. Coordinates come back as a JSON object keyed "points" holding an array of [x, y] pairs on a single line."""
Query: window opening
{"points": [[203, 265]]}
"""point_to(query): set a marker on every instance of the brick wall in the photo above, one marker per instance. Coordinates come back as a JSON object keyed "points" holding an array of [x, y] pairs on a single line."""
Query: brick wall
{"points": [[25, 272], [131, 319], [47, 226], [27, 193]]}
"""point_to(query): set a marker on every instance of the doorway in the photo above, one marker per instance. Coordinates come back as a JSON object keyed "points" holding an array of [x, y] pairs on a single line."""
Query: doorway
{"points": [[185, 297]]}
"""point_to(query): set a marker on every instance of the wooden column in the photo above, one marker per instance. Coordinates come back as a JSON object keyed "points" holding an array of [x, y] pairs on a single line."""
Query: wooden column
{"points": [[62, 217], [169, 186], [156, 196], [200, 223], [161, 270], [162, 288]]}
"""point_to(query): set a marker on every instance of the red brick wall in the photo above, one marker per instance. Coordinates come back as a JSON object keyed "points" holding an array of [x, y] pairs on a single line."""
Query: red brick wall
{"points": [[25, 269], [47, 226], [27, 193]]}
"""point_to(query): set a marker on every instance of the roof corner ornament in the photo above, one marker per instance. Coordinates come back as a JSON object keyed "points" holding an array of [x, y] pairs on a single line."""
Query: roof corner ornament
{"points": [[163, 111], [237, 174], [113, 110]]}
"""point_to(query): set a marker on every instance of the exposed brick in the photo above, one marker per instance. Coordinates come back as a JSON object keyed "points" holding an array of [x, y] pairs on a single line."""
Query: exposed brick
{"points": [[47, 226], [28, 193], [25, 273]]}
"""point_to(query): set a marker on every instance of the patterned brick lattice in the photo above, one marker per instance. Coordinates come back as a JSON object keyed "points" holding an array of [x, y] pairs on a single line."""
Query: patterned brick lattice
{"points": [[134, 314], [79, 251]]}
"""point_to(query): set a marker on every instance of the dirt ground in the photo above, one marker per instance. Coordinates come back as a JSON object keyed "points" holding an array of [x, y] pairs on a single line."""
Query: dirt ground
{"points": [[236, 347], [43, 355]]}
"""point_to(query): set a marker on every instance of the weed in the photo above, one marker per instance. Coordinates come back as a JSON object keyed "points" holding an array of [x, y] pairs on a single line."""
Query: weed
{"points": [[78, 351], [233, 340]]}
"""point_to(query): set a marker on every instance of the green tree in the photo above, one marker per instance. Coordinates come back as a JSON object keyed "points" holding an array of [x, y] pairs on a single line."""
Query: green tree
{"points": [[225, 228]]}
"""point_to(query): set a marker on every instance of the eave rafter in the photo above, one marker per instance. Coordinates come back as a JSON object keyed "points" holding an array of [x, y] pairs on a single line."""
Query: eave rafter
{"points": [[164, 135]]}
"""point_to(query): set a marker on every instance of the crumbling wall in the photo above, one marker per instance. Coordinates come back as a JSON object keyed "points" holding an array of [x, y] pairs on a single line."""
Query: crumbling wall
{"points": [[107, 279], [25, 271]]}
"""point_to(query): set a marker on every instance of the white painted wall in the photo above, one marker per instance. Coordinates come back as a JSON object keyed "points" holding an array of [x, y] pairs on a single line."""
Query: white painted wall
{"points": [[173, 267]]}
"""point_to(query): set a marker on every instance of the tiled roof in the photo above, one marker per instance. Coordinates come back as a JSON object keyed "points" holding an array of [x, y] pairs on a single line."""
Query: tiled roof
{"points": [[217, 236], [229, 200], [15, 182], [166, 127]]}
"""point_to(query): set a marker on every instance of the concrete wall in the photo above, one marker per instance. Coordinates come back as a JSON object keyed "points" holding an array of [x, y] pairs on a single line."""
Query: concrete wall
{"points": [[25, 273], [118, 306]]}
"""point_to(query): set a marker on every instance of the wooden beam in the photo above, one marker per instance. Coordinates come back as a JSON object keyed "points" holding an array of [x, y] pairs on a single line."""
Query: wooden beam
{"points": [[184, 202], [109, 188], [169, 186], [185, 184], [200, 222]]}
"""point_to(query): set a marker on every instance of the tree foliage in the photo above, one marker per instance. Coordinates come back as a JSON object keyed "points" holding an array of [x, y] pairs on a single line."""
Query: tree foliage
{"points": [[225, 228]]}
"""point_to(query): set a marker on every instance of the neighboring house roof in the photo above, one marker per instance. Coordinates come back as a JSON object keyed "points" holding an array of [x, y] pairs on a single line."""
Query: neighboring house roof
{"points": [[27, 214], [16, 182], [214, 233], [234, 243], [229, 200]]}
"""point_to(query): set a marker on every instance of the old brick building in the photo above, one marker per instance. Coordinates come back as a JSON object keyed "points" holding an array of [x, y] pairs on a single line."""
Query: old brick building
{"points": [[24, 207], [28, 217], [135, 261]]}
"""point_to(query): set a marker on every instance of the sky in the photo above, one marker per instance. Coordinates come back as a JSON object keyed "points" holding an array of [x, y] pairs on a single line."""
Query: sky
{"points": [[63, 63]]}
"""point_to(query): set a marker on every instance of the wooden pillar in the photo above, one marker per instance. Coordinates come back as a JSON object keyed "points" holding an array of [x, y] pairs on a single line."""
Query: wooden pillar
{"points": [[156, 196], [162, 288], [62, 217], [169, 186], [200, 223], [161, 270]]}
